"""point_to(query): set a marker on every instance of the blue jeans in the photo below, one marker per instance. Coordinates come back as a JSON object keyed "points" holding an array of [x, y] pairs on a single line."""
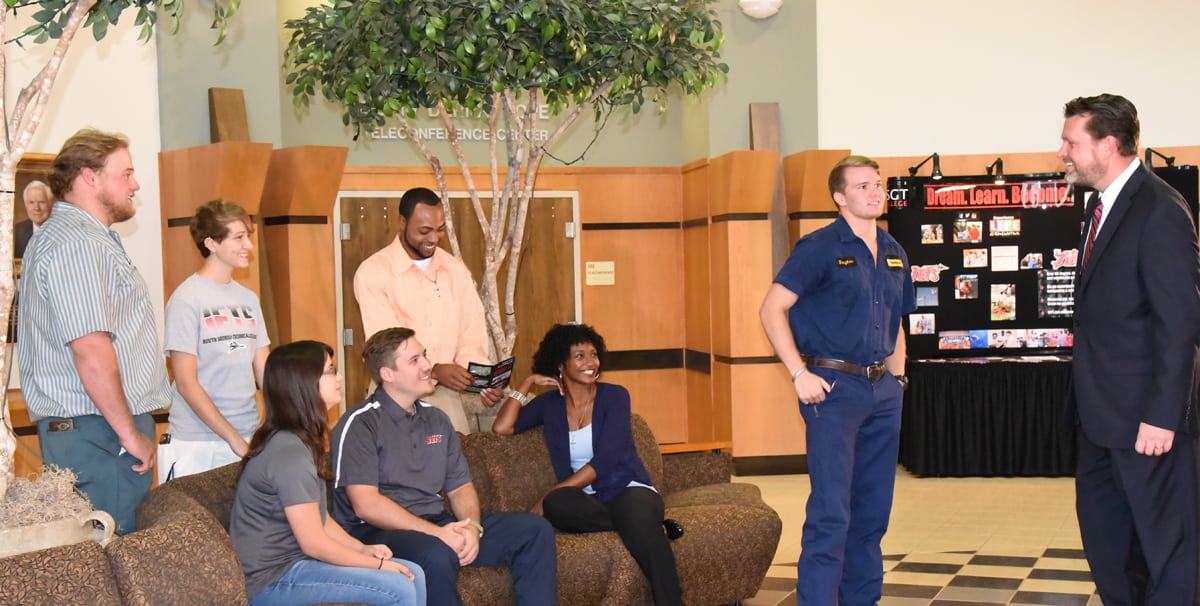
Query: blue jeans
{"points": [[312, 581]]}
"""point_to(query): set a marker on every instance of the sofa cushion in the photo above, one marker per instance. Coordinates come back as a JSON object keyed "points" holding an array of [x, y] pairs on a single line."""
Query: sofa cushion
{"points": [[647, 449], [212, 489], [184, 558], [69, 574], [725, 552], [511, 472], [737, 493]]}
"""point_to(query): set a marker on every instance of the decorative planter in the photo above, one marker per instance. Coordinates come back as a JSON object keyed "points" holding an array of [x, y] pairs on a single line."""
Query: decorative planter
{"points": [[66, 531]]}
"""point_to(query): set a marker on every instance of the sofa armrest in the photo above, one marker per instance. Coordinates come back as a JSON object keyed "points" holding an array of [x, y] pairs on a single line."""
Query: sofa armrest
{"points": [[690, 469]]}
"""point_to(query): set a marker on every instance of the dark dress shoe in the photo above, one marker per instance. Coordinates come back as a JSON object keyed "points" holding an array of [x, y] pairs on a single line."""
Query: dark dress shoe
{"points": [[674, 528]]}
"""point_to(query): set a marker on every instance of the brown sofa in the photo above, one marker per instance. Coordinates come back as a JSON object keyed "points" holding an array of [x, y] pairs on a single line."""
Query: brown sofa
{"points": [[182, 554]]}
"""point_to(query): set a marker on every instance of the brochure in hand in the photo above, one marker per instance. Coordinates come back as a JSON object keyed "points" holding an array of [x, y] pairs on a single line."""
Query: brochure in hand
{"points": [[486, 376]]}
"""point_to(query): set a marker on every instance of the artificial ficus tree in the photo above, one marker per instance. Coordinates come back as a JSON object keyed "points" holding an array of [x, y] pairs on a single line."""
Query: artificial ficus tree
{"points": [[54, 22], [501, 60]]}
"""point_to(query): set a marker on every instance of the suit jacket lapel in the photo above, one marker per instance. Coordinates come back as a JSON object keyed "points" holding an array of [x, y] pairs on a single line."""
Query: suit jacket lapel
{"points": [[1113, 221]]}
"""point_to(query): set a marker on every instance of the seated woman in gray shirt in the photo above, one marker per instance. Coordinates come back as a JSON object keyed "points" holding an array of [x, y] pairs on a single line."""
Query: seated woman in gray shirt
{"points": [[291, 551]]}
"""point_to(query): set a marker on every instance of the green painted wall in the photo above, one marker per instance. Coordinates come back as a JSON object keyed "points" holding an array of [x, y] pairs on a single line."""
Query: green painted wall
{"points": [[772, 60], [189, 64]]}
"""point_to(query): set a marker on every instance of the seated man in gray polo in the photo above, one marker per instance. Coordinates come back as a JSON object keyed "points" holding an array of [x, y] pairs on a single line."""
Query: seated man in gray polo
{"points": [[397, 460]]}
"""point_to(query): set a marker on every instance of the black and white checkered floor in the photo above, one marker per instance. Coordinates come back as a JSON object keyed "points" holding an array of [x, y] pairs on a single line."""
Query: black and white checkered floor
{"points": [[1059, 577], [955, 542]]}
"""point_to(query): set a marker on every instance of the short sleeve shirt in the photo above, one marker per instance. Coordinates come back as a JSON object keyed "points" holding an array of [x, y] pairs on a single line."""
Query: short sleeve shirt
{"points": [[280, 476], [849, 305], [78, 280], [414, 459], [222, 325]]}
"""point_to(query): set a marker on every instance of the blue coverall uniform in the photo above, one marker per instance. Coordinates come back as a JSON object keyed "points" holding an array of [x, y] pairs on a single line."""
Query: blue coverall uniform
{"points": [[849, 309]]}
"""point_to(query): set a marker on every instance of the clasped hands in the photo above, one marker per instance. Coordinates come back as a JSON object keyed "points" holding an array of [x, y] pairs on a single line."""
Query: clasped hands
{"points": [[463, 538]]}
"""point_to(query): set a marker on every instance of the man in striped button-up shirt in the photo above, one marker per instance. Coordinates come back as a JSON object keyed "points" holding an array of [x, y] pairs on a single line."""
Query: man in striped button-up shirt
{"points": [[91, 364]]}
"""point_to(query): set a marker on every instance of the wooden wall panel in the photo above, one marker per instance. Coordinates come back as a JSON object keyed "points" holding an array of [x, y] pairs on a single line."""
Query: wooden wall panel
{"points": [[297, 208], [657, 395], [644, 309], [972, 164], [695, 191], [642, 196], [704, 422], [696, 286], [235, 171], [766, 421], [719, 270], [806, 179], [742, 182], [749, 254]]}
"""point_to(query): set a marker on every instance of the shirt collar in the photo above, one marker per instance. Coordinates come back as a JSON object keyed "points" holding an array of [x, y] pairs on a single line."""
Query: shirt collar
{"points": [[846, 233], [1109, 195], [394, 410], [404, 263]]}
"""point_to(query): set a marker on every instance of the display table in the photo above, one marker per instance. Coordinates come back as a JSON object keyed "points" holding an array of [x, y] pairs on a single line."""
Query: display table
{"points": [[1000, 417]]}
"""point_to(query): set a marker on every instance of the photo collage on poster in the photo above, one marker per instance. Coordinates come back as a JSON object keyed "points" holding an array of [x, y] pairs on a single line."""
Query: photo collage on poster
{"points": [[989, 272]]}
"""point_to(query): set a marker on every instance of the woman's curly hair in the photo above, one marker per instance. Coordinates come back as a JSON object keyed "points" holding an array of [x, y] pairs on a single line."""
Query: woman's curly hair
{"points": [[555, 347]]}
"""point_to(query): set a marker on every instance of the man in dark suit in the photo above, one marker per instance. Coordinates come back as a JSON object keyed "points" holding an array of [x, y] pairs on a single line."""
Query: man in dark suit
{"points": [[37, 199], [1137, 327]]}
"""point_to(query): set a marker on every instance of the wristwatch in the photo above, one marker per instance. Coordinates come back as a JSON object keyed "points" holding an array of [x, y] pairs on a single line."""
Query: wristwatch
{"points": [[903, 379]]}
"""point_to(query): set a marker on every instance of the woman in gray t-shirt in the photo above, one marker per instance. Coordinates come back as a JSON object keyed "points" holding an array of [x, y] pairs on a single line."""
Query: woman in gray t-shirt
{"points": [[291, 551], [217, 341]]}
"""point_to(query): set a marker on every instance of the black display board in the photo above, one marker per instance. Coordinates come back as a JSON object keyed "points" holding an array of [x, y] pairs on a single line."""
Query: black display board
{"points": [[994, 264]]}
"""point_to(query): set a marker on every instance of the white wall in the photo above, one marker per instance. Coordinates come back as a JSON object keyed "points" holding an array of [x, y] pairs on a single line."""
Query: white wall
{"points": [[910, 78], [113, 86]]}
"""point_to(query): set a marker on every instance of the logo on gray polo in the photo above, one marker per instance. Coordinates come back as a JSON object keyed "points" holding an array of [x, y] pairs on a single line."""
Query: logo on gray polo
{"points": [[236, 345]]}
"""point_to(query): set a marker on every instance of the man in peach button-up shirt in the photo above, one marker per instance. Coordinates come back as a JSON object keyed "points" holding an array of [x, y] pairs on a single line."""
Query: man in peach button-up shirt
{"points": [[414, 284]]}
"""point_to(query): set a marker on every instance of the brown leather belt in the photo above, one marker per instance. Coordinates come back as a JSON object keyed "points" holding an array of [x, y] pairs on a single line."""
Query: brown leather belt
{"points": [[871, 372]]}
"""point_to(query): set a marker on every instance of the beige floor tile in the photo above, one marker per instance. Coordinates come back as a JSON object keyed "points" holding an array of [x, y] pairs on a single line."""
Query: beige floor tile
{"points": [[917, 578], [1063, 564], [768, 598], [888, 600], [1076, 587], [1003, 572], [938, 558]]}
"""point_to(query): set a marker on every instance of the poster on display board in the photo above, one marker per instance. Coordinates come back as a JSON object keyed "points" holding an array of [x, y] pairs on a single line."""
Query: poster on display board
{"points": [[994, 264]]}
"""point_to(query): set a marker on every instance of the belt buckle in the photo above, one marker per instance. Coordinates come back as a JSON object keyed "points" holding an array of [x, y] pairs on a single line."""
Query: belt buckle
{"points": [[875, 371], [61, 425]]}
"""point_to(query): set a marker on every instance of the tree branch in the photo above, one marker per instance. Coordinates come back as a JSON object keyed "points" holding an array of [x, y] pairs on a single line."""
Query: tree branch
{"points": [[24, 126]]}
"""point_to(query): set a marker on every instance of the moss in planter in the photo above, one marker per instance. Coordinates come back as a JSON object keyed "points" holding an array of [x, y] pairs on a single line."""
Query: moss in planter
{"points": [[49, 497]]}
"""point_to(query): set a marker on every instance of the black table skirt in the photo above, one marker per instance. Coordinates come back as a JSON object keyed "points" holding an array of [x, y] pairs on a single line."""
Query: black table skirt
{"points": [[987, 419]]}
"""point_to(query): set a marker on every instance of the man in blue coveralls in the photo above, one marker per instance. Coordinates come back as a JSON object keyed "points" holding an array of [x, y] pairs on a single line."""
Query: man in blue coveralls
{"points": [[833, 317]]}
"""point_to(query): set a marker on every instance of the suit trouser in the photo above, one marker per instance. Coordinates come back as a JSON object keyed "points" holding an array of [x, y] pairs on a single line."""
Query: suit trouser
{"points": [[522, 541], [1137, 518], [853, 443], [636, 513], [103, 471]]}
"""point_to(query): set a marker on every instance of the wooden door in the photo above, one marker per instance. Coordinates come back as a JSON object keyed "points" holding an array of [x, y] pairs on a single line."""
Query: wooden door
{"points": [[545, 286]]}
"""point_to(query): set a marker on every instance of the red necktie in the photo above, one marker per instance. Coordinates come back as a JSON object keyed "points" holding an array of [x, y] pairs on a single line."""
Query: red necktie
{"points": [[1093, 229]]}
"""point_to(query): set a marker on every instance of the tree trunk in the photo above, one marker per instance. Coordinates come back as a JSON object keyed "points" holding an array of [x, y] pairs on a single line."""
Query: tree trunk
{"points": [[8, 439]]}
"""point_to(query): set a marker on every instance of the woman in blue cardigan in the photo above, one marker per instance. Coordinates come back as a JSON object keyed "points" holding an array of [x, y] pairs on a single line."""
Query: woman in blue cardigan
{"points": [[602, 483]]}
